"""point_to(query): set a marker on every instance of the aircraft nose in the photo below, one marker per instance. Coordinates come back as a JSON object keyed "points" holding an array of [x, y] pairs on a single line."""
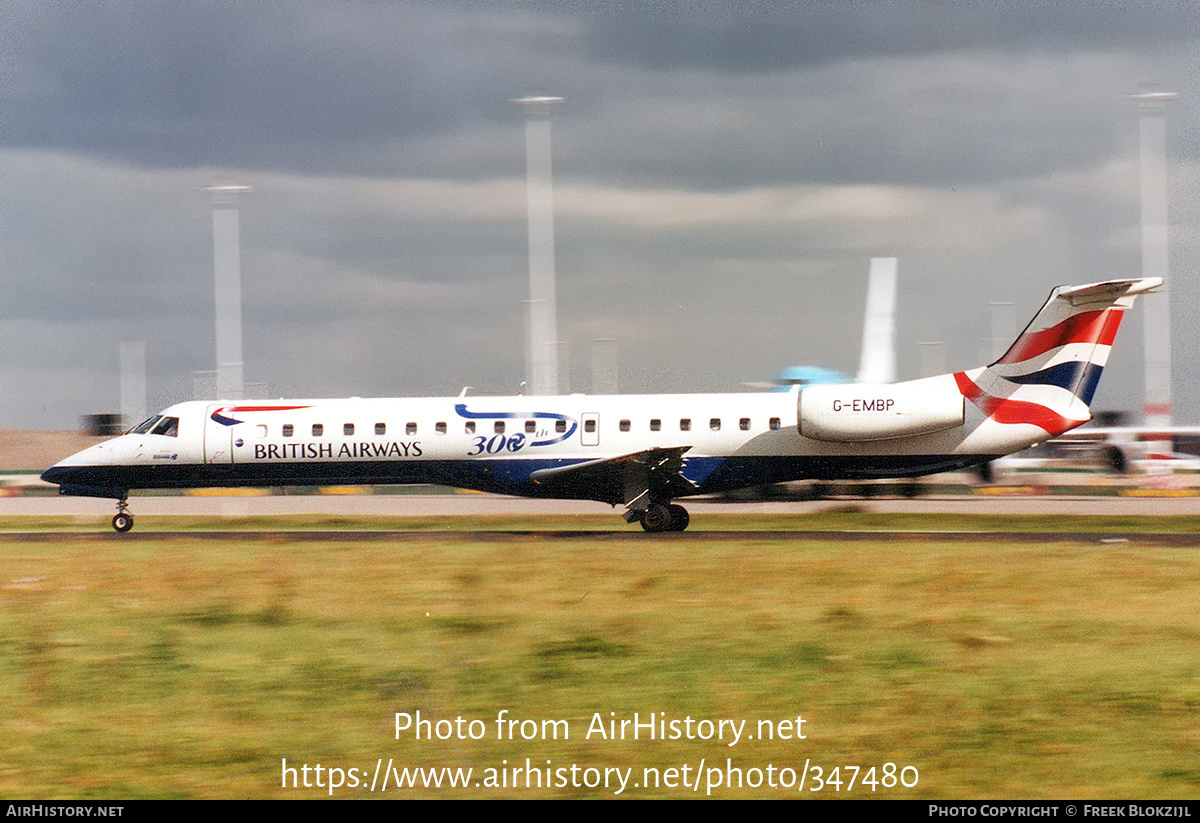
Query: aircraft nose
{"points": [[57, 475], [86, 473], [70, 473]]}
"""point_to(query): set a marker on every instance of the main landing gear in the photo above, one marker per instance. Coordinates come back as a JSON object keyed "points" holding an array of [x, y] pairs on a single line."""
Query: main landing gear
{"points": [[123, 520], [664, 517]]}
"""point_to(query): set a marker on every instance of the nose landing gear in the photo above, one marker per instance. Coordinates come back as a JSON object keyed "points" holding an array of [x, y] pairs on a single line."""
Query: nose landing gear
{"points": [[122, 521]]}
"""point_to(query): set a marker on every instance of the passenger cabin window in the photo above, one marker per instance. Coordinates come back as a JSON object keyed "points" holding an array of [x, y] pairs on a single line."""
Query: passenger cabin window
{"points": [[744, 424], [410, 428], [381, 428], [440, 427], [318, 429], [715, 424], [167, 426], [560, 426], [499, 427], [530, 426], [685, 425], [589, 426], [469, 428], [656, 425], [774, 424], [348, 429], [287, 429], [624, 426]]}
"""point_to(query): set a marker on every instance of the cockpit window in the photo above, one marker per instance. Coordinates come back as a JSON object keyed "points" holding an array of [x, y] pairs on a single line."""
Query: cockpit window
{"points": [[145, 425], [167, 426]]}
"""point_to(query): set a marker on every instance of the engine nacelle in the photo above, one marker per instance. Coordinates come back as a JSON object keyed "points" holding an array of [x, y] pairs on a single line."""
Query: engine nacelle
{"points": [[856, 412]]}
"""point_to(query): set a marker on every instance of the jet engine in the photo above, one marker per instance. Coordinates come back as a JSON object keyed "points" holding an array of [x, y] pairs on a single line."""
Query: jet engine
{"points": [[857, 412]]}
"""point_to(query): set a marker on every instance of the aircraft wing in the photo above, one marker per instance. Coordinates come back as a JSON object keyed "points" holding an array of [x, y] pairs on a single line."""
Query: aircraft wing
{"points": [[632, 479]]}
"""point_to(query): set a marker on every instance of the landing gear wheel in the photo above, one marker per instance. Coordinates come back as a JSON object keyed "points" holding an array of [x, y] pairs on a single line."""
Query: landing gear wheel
{"points": [[123, 521], [656, 518], [679, 517]]}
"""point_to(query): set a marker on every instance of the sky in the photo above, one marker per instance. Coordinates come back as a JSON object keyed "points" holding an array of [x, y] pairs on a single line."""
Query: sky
{"points": [[723, 173]]}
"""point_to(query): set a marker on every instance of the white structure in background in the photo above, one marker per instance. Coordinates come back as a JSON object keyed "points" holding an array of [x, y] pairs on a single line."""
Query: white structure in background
{"points": [[1004, 327], [1152, 106], [204, 385], [877, 363], [932, 355], [604, 366], [133, 383], [542, 365], [227, 272]]}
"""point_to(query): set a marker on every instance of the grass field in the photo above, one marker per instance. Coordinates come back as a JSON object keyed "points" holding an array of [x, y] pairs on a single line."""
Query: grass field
{"points": [[192, 667]]}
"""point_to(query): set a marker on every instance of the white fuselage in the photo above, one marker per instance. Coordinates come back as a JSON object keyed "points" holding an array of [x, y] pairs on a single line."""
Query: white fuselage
{"points": [[725, 441], [642, 451]]}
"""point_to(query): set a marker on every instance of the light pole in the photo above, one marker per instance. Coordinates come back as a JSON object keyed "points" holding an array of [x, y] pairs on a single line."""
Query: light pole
{"points": [[133, 383], [227, 272], [604, 366], [1156, 405], [542, 370]]}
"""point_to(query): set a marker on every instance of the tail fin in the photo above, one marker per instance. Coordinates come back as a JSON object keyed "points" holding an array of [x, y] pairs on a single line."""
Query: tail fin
{"points": [[877, 364], [1049, 375]]}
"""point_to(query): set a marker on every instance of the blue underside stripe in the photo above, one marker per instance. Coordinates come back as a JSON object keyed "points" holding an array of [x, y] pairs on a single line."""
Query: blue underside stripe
{"points": [[710, 474]]}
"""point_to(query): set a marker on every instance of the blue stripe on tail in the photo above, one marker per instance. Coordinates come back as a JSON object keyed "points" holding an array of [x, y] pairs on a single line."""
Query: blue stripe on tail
{"points": [[1074, 376]]}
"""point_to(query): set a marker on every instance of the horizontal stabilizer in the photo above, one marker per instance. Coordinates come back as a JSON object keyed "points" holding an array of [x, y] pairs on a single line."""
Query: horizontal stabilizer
{"points": [[1109, 291]]}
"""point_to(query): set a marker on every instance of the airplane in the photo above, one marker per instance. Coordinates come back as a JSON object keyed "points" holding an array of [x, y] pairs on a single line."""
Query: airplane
{"points": [[1130, 449], [1115, 450], [877, 361], [642, 452]]}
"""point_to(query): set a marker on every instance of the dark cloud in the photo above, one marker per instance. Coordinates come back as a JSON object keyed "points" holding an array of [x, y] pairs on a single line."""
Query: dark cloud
{"points": [[282, 85], [759, 38], [365, 88], [723, 172]]}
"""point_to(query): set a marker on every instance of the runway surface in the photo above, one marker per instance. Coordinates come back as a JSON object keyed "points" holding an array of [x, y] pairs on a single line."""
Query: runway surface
{"points": [[486, 505], [712, 519]]}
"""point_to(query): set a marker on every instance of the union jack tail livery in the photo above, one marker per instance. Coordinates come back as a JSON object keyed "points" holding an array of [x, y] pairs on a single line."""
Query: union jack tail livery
{"points": [[1048, 376]]}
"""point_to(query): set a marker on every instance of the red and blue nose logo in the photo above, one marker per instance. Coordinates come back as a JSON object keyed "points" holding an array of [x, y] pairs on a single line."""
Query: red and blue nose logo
{"points": [[220, 415]]}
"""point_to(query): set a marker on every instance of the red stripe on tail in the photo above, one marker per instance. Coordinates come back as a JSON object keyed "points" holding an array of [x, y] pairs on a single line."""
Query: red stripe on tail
{"points": [[1088, 327], [1004, 410]]}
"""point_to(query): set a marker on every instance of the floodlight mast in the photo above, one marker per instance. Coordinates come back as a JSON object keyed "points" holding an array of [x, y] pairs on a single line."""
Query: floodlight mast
{"points": [[1156, 405], [227, 274], [133, 382], [542, 367]]}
